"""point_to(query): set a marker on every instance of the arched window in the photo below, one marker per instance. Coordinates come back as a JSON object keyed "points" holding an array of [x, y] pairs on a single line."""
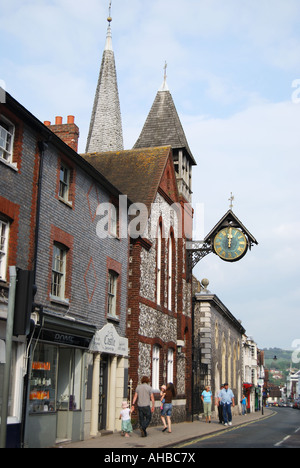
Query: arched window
{"points": [[158, 263], [170, 370], [170, 276], [155, 367]]}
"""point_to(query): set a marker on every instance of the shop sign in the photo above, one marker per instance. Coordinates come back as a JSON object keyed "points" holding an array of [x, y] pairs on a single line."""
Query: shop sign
{"points": [[65, 339], [108, 341], [2, 352]]}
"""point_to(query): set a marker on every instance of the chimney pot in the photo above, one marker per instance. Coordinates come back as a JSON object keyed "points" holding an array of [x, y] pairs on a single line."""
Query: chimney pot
{"points": [[47, 123], [58, 120], [71, 119]]}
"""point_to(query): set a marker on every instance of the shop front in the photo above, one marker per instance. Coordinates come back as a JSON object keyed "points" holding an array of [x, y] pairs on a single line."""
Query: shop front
{"points": [[56, 384], [247, 392], [13, 436], [109, 379]]}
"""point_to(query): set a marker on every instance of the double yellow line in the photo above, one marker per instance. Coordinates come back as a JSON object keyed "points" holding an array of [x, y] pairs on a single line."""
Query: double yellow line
{"points": [[225, 431]]}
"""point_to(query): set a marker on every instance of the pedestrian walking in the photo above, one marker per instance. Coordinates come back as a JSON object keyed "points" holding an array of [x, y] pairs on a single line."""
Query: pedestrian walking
{"points": [[244, 405], [206, 398], [168, 406], [219, 405], [125, 416], [163, 389], [144, 397], [226, 397]]}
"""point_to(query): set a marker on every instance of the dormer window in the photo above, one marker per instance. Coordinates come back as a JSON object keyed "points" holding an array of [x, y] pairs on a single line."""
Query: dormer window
{"points": [[6, 140]]}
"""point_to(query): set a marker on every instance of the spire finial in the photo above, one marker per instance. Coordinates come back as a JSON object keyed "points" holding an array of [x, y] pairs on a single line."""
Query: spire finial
{"points": [[109, 19], [108, 45], [164, 86]]}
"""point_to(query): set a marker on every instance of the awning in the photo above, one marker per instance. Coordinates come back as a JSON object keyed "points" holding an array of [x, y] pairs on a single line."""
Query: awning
{"points": [[247, 385], [65, 331]]}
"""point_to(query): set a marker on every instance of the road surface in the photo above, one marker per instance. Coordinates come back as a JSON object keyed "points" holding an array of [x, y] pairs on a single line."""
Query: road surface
{"points": [[281, 430]]}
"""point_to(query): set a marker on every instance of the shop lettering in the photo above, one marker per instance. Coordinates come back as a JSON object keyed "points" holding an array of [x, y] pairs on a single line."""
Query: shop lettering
{"points": [[64, 338], [109, 340]]}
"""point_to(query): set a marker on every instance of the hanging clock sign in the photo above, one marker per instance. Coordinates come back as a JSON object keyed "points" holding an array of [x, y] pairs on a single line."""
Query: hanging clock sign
{"points": [[230, 244], [229, 239]]}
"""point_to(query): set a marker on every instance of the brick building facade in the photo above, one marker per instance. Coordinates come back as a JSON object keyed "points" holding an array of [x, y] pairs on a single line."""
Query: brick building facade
{"points": [[159, 323], [49, 197]]}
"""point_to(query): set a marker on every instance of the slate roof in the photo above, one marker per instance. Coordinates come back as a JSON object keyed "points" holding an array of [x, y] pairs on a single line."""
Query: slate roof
{"points": [[163, 126], [105, 132], [136, 173]]}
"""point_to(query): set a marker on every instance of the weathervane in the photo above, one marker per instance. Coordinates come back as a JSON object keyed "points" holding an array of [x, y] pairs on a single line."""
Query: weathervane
{"points": [[109, 19], [231, 199], [165, 69]]}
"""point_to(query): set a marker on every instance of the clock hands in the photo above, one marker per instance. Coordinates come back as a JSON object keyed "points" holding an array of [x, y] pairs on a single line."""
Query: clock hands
{"points": [[230, 237]]}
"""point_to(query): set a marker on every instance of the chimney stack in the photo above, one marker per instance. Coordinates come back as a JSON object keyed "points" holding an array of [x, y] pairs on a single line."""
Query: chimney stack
{"points": [[68, 133]]}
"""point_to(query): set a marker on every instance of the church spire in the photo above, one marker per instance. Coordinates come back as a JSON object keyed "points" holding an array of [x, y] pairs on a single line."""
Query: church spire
{"points": [[105, 133]]}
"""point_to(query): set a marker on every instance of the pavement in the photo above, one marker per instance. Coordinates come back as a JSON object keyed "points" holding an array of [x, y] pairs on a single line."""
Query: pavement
{"points": [[181, 433]]}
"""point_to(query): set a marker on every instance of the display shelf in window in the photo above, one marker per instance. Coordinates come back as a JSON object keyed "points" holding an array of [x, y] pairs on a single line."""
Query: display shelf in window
{"points": [[42, 395]]}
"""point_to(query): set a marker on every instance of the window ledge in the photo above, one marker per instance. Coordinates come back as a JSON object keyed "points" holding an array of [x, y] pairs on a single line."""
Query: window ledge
{"points": [[60, 301], [66, 202], [113, 318], [12, 166]]}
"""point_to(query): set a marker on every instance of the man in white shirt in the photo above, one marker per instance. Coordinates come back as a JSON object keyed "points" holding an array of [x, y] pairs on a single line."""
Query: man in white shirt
{"points": [[226, 398]]}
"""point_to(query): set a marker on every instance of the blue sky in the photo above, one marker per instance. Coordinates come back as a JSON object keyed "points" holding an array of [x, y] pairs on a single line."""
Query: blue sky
{"points": [[231, 66]]}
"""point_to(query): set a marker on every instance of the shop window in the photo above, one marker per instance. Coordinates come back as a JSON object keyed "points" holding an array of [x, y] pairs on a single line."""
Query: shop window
{"points": [[69, 379], [55, 381], [42, 396]]}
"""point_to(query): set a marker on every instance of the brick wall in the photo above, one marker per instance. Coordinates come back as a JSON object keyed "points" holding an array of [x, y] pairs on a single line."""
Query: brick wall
{"points": [[87, 280], [68, 132]]}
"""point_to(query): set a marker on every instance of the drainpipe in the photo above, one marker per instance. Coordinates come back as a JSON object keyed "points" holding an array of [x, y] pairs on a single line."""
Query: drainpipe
{"points": [[42, 146], [193, 352]]}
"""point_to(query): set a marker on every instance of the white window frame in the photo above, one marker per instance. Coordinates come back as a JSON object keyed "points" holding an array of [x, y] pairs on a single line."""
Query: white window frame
{"points": [[112, 293], [170, 370], [4, 236], [113, 220], [7, 134], [170, 279], [64, 182], [59, 268], [155, 367]]}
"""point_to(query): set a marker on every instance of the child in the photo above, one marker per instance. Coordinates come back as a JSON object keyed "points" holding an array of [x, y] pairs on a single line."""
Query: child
{"points": [[126, 419], [162, 402]]}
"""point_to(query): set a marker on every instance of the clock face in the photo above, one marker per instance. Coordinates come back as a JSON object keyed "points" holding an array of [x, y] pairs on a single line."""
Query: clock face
{"points": [[230, 244]]}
